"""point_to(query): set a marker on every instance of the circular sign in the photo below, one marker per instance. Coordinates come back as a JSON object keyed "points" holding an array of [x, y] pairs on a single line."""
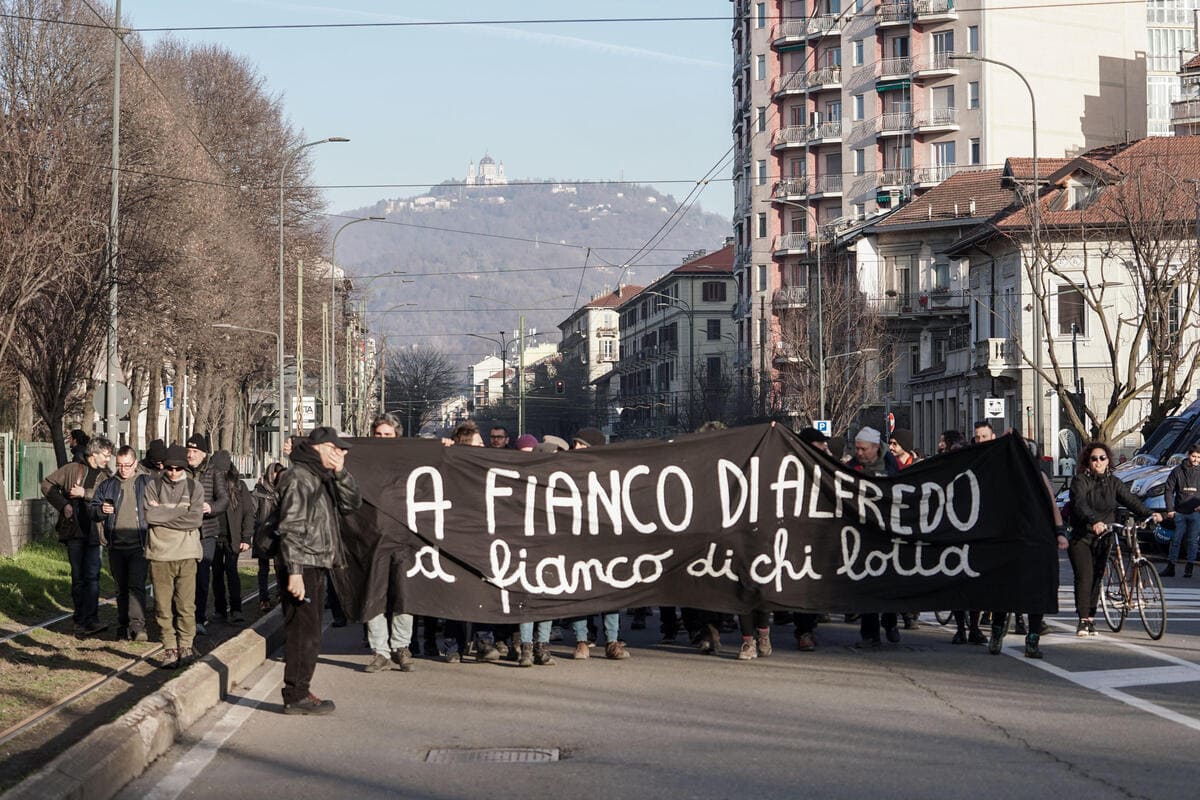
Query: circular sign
{"points": [[123, 398]]}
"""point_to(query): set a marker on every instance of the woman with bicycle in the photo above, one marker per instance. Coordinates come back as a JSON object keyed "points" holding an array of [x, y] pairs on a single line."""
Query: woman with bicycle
{"points": [[1095, 495]]}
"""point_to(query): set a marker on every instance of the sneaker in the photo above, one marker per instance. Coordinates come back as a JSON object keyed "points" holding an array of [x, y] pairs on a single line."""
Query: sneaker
{"points": [[169, 658], [503, 649], [486, 650], [975, 636], [868, 644], [749, 649], [403, 659], [1168, 571], [581, 651], [910, 621], [1044, 630], [960, 637], [1091, 627], [541, 655], [450, 648], [88, 631], [762, 641], [201, 629], [186, 657], [139, 636], [615, 650], [237, 618], [805, 643], [1031, 646], [710, 641], [264, 605], [1019, 626], [525, 659], [1082, 628], [893, 634], [310, 705], [378, 663], [996, 642], [1187, 571]]}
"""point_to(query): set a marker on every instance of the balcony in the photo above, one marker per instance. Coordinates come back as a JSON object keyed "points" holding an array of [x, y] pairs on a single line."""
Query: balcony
{"points": [[790, 297], [996, 357], [1185, 112], [789, 84], [826, 133], [894, 179], [790, 32], [932, 176], [791, 136], [826, 186], [894, 68], [889, 14], [790, 244], [824, 78], [936, 120], [895, 123], [943, 301], [824, 25], [740, 62], [604, 330], [741, 309], [790, 191], [934, 65], [786, 353], [931, 11]]}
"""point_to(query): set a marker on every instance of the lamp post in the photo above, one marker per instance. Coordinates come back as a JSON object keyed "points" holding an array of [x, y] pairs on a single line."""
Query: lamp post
{"points": [[332, 399], [691, 312], [278, 348], [295, 151], [1034, 223], [503, 344]]}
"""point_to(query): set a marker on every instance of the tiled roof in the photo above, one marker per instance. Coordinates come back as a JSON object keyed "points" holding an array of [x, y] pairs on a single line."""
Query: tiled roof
{"points": [[955, 194], [1021, 169], [716, 262], [614, 299], [1193, 63]]}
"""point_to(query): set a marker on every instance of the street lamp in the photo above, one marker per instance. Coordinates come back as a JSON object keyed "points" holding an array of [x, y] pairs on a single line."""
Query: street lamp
{"points": [[503, 344], [1034, 220], [691, 312], [278, 348], [333, 315], [295, 151]]}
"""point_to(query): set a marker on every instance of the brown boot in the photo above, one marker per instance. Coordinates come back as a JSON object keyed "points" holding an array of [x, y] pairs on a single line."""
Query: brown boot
{"points": [[615, 650], [541, 655], [762, 640], [525, 659], [581, 651]]}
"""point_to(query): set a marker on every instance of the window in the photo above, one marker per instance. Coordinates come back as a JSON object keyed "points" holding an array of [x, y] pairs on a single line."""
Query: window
{"points": [[943, 97], [713, 291], [944, 154], [900, 47], [914, 359], [833, 111], [973, 39], [760, 67], [760, 221], [941, 275], [1071, 311], [796, 167], [760, 15], [607, 349], [943, 42], [860, 161], [939, 351], [713, 368], [973, 94], [860, 211], [856, 59], [761, 171], [858, 6], [760, 119], [762, 278], [713, 329], [976, 156], [859, 110], [833, 57]]}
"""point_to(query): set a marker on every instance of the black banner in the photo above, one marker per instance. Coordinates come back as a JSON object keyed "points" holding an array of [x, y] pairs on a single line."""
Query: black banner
{"points": [[729, 521]]}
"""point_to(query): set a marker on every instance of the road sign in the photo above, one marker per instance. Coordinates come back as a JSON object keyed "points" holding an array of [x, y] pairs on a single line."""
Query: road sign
{"points": [[304, 411], [123, 397], [822, 426], [169, 397], [891, 423], [993, 407]]}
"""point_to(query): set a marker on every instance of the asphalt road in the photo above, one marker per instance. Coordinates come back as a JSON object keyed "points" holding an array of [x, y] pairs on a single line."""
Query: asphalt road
{"points": [[1115, 716]]}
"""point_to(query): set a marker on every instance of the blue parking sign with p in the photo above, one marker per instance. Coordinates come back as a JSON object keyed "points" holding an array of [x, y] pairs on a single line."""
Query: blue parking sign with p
{"points": [[822, 425]]}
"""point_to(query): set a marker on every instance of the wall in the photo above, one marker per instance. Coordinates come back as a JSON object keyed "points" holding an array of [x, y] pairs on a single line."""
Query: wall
{"points": [[26, 521]]}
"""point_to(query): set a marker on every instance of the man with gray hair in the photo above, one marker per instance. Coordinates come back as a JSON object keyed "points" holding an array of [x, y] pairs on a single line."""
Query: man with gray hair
{"points": [[871, 457], [70, 489]]}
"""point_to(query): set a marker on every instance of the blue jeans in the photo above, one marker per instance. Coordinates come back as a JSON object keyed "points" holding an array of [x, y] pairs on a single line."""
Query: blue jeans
{"points": [[382, 640], [543, 632], [85, 581], [1186, 525], [612, 627]]}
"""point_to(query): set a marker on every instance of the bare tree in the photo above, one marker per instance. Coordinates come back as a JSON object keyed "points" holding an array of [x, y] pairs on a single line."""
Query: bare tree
{"points": [[418, 381]]}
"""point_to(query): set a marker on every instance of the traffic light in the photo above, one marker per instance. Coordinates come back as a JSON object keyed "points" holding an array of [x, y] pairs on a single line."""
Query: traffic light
{"points": [[560, 387]]}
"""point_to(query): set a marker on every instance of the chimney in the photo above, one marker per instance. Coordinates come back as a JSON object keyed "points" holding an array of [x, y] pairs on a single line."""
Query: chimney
{"points": [[956, 209], [929, 211], [972, 207]]}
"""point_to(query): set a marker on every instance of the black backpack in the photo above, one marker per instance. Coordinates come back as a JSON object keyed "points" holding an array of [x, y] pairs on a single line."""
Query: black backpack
{"points": [[265, 543]]}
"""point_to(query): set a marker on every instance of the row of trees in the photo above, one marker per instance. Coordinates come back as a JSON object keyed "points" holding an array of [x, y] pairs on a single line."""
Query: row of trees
{"points": [[202, 144]]}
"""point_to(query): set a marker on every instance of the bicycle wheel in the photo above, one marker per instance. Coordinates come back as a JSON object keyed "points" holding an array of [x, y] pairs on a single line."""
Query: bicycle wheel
{"points": [[1112, 598], [943, 617], [1151, 601]]}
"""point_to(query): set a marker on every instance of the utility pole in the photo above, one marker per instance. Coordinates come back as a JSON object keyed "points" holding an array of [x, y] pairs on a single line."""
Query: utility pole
{"points": [[297, 402], [113, 367], [521, 377]]}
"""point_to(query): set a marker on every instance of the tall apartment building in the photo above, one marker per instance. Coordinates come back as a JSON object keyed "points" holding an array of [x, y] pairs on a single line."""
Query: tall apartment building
{"points": [[845, 109], [1170, 29]]}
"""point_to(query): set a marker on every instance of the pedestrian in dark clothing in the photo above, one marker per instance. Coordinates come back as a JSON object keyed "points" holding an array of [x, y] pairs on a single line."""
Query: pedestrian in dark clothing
{"points": [[236, 531], [201, 470], [77, 444], [152, 462], [266, 498], [120, 502], [70, 489], [871, 457], [313, 496], [1182, 499]]}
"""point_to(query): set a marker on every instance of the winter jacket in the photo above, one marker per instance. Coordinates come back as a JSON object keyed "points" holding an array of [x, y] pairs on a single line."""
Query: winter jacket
{"points": [[174, 513], [56, 488], [884, 467], [1094, 498], [1183, 489], [240, 516], [311, 503], [211, 475], [110, 492]]}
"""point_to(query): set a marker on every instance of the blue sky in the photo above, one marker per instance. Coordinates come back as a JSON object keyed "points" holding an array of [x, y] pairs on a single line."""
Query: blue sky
{"points": [[639, 101]]}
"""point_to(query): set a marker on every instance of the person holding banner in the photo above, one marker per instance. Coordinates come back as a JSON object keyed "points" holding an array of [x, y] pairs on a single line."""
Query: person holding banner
{"points": [[871, 458], [1095, 495]]}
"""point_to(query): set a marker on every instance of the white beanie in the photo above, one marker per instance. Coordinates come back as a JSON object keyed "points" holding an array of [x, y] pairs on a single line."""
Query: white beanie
{"points": [[869, 435]]}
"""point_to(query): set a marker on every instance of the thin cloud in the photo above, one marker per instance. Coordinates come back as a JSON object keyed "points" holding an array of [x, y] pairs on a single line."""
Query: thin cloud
{"points": [[506, 32]]}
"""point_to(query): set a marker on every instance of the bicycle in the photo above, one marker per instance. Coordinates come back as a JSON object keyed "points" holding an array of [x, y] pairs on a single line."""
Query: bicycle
{"points": [[1131, 582]]}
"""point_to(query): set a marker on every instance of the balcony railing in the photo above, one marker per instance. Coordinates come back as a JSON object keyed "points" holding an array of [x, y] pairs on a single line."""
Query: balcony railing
{"points": [[895, 121], [791, 136], [787, 353], [997, 355], [793, 29], [934, 62], [788, 189], [790, 297], [825, 76], [789, 83], [895, 177], [826, 130], [935, 174], [796, 243], [937, 118], [893, 12], [741, 309], [890, 67], [827, 184], [935, 8], [826, 23], [1185, 110]]}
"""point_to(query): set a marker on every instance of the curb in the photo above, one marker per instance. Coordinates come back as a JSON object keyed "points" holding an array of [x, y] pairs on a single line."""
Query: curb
{"points": [[114, 754]]}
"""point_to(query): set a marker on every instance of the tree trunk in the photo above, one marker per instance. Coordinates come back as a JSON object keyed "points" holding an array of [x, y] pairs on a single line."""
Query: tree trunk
{"points": [[24, 410], [181, 371], [153, 393], [137, 388], [229, 418]]}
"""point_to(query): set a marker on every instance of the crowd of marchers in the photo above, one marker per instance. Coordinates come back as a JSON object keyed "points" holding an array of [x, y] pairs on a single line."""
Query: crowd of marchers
{"points": [[180, 517]]}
